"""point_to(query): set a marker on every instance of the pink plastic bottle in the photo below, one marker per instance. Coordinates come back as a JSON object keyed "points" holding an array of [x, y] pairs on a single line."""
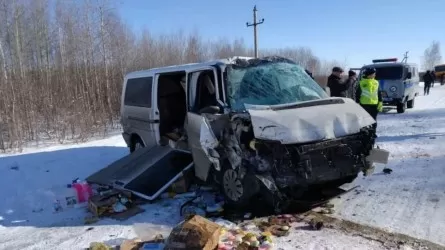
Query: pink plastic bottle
{"points": [[83, 191]]}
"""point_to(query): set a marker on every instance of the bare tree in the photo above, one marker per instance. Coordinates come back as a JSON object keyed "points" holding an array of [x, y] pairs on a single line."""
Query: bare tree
{"points": [[432, 56], [62, 64]]}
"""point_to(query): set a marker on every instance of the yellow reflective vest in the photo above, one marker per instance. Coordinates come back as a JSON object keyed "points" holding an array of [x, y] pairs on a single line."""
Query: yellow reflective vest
{"points": [[369, 91]]}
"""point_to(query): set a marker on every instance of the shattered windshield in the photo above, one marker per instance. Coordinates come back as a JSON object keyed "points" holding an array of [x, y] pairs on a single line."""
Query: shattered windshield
{"points": [[269, 81]]}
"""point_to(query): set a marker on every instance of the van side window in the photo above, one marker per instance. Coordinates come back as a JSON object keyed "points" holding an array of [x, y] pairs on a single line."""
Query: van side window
{"points": [[138, 92], [408, 70]]}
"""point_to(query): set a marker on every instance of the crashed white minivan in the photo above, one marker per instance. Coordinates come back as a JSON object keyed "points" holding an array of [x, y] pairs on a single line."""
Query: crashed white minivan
{"points": [[253, 126]]}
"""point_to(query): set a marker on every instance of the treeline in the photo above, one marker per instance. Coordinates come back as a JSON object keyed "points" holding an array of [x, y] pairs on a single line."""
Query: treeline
{"points": [[62, 65]]}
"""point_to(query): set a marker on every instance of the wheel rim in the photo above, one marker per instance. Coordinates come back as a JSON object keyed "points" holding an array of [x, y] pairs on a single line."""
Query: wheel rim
{"points": [[232, 185]]}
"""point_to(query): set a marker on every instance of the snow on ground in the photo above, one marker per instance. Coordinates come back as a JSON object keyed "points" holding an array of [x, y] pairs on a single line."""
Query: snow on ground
{"points": [[411, 200]]}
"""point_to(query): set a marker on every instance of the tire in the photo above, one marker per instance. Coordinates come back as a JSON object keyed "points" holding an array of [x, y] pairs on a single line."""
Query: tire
{"points": [[237, 192], [410, 103], [401, 107], [136, 144]]}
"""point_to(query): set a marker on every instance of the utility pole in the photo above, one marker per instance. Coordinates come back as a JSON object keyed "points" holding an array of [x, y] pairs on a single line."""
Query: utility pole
{"points": [[254, 24], [405, 57]]}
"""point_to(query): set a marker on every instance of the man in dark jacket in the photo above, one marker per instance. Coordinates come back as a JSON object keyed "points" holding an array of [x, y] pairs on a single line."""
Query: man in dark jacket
{"points": [[352, 83], [427, 80], [433, 77], [336, 86]]}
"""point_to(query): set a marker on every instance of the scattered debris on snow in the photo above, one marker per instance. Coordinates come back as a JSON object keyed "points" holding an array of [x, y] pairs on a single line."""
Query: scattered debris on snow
{"points": [[387, 171], [408, 201]]}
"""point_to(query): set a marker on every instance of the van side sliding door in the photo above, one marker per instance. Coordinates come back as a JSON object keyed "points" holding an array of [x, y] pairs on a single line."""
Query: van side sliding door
{"points": [[137, 116]]}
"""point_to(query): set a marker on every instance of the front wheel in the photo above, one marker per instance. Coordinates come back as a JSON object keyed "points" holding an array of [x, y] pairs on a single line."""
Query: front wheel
{"points": [[237, 190]]}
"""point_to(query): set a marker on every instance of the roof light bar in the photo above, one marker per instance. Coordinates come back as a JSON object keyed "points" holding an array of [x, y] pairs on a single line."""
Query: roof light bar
{"points": [[384, 60]]}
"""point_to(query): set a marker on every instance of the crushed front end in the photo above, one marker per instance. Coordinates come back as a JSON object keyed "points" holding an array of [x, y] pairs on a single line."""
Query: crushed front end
{"points": [[281, 135], [283, 172], [298, 167]]}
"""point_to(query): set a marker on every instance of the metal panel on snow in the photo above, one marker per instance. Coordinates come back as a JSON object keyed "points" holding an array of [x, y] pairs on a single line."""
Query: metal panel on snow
{"points": [[147, 172]]}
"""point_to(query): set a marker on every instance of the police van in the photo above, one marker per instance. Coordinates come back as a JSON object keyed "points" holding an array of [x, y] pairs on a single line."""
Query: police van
{"points": [[399, 82]]}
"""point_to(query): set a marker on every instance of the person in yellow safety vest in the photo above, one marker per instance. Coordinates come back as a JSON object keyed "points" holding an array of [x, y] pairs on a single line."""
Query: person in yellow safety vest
{"points": [[368, 94]]}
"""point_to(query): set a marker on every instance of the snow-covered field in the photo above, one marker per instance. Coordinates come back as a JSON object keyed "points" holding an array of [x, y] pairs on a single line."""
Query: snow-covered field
{"points": [[411, 200]]}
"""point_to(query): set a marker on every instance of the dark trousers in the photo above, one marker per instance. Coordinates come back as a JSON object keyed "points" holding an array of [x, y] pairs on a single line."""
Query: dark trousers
{"points": [[426, 88], [372, 111]]}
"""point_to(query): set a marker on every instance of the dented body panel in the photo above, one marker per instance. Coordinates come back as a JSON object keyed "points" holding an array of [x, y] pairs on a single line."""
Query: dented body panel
{"points": [[309, 121]]}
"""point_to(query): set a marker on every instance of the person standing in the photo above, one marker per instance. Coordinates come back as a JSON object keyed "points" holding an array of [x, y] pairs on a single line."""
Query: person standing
{"points": [[427, 80], [352, 83], [368, 94], [433, 77], [336, 86]]}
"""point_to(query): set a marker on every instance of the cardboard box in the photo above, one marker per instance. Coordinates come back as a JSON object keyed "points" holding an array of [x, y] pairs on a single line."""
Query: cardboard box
{"points": [[101, 205], [197, 233]]}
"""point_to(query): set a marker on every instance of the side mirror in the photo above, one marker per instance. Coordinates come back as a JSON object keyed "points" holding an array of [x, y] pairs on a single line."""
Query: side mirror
{"points": [[409, 75], [210, 110]]}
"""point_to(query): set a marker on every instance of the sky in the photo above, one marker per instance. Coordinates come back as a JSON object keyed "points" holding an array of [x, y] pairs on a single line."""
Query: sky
{"points": [[350, 31]]}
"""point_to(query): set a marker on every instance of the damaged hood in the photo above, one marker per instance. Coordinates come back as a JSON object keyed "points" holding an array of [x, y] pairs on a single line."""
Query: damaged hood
{"points": [[308, 121]]}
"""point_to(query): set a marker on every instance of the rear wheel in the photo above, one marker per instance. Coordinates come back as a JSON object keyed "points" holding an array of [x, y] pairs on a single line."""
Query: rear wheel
{"points": [[136, 144], [410, 103], [401, 107]]}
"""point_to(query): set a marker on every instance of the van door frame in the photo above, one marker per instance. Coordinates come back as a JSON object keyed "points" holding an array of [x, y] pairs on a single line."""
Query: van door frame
{"points": [[155, 111], [408, 91], [194, 120]]}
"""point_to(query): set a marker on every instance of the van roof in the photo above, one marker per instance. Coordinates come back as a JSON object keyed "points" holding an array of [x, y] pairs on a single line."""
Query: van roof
{"points": [[183, 67], [389, 64]]}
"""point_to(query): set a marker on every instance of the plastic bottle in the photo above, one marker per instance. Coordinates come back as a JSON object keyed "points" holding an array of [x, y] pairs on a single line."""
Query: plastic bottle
{"points": [[83, 191]]}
